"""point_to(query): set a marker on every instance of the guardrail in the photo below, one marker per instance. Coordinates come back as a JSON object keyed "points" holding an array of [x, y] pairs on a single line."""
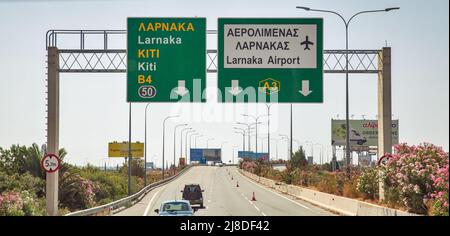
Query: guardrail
{"points": [[126, 202], [334, 203]]}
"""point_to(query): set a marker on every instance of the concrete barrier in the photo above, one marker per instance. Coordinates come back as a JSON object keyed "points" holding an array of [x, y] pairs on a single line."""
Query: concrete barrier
{"points": [[339, 204]]}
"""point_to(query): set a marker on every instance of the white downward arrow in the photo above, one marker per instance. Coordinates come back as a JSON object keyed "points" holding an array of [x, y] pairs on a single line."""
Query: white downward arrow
{"points": [[181, 90], [235, 90], [305, 88]]}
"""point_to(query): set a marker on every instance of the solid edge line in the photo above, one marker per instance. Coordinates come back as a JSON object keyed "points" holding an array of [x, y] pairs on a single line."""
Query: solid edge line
{"points": [[150, 203]]}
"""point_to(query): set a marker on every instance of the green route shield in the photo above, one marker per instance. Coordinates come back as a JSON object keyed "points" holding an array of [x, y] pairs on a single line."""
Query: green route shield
{"points": [[270, 60], [166, 59]]}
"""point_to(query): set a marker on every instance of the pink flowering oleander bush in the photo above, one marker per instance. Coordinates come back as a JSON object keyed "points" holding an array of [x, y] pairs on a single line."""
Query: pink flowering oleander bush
{"points": [[249, 166], [439, 197], [408, 176], [367, 183], [77, 192], [19, 204], [11, 204]]}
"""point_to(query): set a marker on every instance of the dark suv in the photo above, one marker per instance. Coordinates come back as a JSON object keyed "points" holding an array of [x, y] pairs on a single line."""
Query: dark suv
{"points": [[194, 194]]}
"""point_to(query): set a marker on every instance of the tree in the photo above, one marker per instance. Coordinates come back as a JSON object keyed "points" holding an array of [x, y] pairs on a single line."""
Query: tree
{"points": [[298, 160]]}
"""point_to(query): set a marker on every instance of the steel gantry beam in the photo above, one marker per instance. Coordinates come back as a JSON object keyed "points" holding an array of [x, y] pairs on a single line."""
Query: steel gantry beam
{"points": [[105, 59]]}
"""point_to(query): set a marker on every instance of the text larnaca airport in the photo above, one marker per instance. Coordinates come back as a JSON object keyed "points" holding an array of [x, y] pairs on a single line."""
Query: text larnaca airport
{"points": [[270, 46]]}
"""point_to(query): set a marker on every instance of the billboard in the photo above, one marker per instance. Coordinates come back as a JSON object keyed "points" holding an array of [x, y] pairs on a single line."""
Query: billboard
{"points": [[253, 155], [363, 133], [149, 165], [116, 149], [202, 156]]}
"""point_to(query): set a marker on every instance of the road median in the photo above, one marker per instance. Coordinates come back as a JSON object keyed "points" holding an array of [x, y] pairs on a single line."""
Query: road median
{"points": [[339, 204]]}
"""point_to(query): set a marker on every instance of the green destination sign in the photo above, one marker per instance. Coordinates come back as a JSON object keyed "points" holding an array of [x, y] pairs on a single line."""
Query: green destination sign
{"points": [[166, 59], [270, 60]]}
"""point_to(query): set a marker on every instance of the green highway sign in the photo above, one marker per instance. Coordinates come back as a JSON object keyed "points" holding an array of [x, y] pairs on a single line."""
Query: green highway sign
{"points": [[166, 59], [270, 60]]}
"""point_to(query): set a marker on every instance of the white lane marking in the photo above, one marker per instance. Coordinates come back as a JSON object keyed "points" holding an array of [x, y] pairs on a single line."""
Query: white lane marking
{"points": [[257, 208], [150, 203], [275, 192], [263, 214]]}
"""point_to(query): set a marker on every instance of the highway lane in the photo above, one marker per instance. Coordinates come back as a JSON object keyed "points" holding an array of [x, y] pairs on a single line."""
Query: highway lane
{"points": [[223, 197]]}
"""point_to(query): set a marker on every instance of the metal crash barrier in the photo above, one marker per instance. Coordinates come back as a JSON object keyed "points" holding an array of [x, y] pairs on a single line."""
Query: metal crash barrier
{"points": [[126, 202]]}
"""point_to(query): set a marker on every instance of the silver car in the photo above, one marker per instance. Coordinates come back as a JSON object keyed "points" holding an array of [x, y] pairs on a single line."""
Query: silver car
{"points": [[175, 208]]}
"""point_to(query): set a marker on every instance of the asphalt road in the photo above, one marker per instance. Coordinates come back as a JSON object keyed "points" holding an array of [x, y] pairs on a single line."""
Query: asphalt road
{"points": [[222, 197]]}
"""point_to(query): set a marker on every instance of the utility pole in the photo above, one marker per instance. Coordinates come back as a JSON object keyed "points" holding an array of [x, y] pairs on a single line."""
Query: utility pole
{"points": [[51, 183], [384, 110]]}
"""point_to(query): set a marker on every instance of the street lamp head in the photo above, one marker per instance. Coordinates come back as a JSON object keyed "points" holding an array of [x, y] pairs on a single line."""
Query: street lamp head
{"points": [[304, 8], [392, 8]]}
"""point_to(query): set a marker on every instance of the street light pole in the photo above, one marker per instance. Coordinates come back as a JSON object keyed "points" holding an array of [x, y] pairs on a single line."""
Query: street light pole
{"points": [[312, 148], [285, 137], [256, 123], [268, 129], [174, 140], [241, 131], [188, 134], [207, 142], [195, 140], [347, 23], [181, 140], [290, 156], [321, 151], [248, 133], [163, 146]]}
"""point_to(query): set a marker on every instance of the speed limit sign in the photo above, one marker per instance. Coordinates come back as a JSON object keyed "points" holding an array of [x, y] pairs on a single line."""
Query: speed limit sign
{"points": [[51, 163]]}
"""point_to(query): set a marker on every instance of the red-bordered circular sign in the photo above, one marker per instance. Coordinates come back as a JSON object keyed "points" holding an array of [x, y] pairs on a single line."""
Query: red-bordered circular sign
{"points": [[383, 160], [50, 163]]}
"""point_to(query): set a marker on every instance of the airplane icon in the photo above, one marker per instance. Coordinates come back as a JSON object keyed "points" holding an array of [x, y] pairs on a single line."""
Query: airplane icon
{"points": [[307, 43]]}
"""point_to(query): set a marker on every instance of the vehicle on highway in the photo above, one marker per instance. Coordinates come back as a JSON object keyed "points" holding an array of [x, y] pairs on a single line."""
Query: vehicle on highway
{"points": [[220, 164], [175, 208], [194, 194]]}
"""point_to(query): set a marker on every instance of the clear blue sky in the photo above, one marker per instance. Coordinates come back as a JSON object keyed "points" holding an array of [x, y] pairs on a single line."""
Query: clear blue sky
{"points": [[93, 108]]}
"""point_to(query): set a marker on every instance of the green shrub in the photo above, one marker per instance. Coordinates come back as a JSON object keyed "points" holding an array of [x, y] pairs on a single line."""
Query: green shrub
{"points": [[350, 188], [20, 204], [368, 183], [328, 184]]}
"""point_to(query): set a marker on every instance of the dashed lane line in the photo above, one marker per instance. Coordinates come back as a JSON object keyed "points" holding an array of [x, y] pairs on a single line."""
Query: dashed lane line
{"points": [[275, 192]]}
